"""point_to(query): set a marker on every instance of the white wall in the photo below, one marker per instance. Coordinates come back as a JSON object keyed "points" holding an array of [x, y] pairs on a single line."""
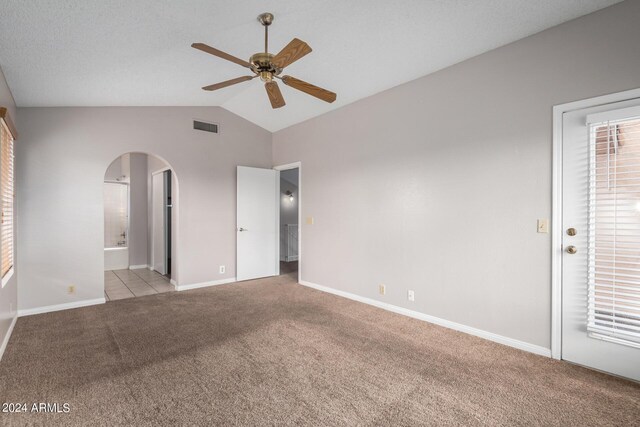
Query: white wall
{"points": [[60, 223], [9, 293], [436, 185]]}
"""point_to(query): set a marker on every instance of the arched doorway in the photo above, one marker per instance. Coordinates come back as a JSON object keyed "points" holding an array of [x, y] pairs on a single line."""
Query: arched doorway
{"points": [[140, 226]]}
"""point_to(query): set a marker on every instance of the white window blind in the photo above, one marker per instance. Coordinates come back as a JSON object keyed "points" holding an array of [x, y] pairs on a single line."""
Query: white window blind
{"points": [[614, 231], [6, 200]]}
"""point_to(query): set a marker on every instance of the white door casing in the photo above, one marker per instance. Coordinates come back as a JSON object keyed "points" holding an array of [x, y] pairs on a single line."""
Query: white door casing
{"points": [[578, 345], [257, 223]]}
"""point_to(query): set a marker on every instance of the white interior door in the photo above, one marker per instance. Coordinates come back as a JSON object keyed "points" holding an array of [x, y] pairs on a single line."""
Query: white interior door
{"points": [[158, 221], [257, 223], [601, 238]]}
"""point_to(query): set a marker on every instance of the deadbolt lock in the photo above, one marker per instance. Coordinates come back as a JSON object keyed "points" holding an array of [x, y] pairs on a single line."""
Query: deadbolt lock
{"points": [[571, 231], [571, 249]]}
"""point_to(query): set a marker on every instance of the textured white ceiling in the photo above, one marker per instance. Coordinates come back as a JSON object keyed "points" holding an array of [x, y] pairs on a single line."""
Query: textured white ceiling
{"points": [[133, 53]]}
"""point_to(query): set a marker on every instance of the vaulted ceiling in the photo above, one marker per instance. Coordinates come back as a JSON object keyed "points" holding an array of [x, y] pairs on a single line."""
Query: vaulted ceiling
{"points": [[137, 53]]}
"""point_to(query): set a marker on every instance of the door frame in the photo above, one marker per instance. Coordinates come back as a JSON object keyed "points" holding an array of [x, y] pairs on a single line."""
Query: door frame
{"points": [[294, 165], [556, 207], [152, 237]]}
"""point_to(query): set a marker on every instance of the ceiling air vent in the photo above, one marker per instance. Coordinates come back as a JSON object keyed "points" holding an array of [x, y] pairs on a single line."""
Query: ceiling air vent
{"points": [[204, 126]]}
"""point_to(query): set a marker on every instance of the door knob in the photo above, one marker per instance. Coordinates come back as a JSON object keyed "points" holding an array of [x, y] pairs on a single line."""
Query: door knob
{"points": [[571, 231], [571, 249]]}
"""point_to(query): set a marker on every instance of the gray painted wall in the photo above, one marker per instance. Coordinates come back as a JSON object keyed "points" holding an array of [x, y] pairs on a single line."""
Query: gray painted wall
{"points": [[6, 99], [60, 228], [9, 293], [118, 170], [436, 185], [138, 210]]}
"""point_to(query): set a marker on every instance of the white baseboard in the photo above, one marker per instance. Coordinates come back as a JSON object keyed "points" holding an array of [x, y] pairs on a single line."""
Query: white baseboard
{"points": [[521, 345], [135, 267], [204, 284], [58, 307], [174, 283], [5, 341]]}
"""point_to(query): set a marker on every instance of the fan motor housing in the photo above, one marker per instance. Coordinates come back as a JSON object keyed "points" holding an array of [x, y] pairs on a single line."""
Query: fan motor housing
{"points": [[261, 63]]}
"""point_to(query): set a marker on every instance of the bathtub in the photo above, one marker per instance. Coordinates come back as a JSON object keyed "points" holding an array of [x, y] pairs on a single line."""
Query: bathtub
{"points": [[116, 258]]}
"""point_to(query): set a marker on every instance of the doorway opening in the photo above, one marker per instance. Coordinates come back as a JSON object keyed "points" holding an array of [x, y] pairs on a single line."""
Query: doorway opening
{"points": [[140, 214], [161, 206], [288, 232]]}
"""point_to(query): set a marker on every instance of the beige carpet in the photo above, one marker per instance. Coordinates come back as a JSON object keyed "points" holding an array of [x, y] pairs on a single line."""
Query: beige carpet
{"points": [[271, 352]]}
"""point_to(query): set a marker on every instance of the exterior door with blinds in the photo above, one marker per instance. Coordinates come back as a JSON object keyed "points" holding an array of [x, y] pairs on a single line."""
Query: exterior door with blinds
{"points": [[601, 238]]}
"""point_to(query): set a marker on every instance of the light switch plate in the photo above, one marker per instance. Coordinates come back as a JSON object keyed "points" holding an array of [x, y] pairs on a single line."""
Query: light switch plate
{"points": [[543, 225]]}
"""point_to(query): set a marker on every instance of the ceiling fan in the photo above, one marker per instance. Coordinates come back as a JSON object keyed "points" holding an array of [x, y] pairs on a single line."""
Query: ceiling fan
{"points": [[269, 67]]}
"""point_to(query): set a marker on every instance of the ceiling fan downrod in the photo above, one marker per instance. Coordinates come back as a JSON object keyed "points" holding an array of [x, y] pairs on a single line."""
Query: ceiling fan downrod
{"points": [[266, 19]]}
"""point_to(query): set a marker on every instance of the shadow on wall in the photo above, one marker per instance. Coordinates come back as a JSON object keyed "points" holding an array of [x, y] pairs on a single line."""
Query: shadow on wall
{"points": [[141, 214]]}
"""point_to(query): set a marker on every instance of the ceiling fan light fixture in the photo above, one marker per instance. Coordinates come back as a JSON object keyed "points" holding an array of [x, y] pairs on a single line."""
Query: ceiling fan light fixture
{"points": [[290, 195], [266, 76], [268, 66]]}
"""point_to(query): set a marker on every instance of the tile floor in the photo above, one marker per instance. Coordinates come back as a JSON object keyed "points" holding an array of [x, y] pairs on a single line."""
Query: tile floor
{"points": [[121, 284]]}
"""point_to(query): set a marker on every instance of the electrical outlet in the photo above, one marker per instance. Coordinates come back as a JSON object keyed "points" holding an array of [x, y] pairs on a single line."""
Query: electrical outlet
{"points": [[543, 226], [382, 289], [72, 289], [222, 269], [411, 295], [309, 220]]}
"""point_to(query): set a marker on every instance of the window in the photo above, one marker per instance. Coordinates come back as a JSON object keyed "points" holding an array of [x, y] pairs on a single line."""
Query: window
{"points": [[614, 238], [6, 198]]}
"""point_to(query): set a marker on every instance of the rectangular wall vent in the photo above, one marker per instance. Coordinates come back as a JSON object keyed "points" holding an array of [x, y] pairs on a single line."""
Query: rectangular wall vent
{"points": [[204, 126]]}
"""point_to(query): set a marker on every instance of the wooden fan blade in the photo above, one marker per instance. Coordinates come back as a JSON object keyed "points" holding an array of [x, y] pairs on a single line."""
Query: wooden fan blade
{"points": [[312, 90], [295, 50], [275, 96], [229, 83], [220, 54]]}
